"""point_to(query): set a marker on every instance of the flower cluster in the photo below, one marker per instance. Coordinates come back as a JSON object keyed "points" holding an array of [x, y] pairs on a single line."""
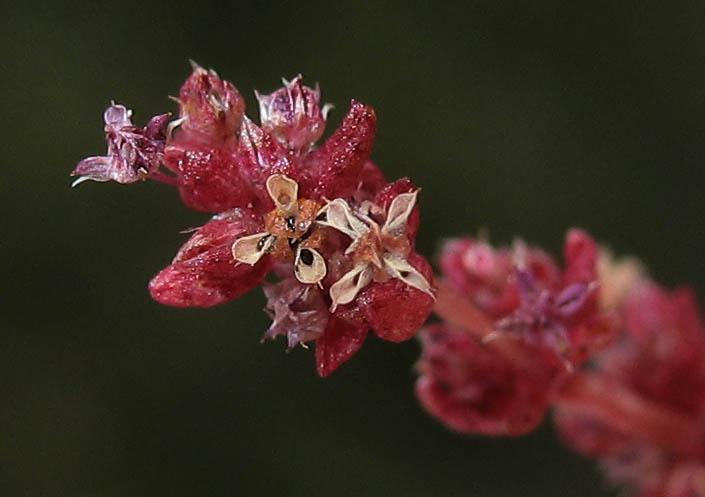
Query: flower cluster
{"points": [[620, 359], [323, 220], [516, 326]]}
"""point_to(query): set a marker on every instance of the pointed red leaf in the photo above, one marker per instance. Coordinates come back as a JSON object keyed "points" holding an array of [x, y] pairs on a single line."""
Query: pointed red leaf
{"points": [[339, 343], [204, 273], [334, 169]]}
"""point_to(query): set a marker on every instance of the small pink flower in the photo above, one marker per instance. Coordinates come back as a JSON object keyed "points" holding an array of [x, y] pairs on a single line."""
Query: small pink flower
{"points": [[210, 109], [134, 153], [526, 294], [293, 116], [536, 323]]}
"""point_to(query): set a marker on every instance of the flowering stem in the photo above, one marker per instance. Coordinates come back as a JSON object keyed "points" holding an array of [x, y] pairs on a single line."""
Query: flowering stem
{"points": [[459, 311], [164, 178], [632, 414]]}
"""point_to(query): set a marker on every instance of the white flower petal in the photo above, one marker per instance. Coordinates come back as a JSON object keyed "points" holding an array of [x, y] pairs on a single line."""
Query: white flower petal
{"points": [[398, 214], [339, 215], [309, 266], [346, 288], [250, 249], [399, 268], [284, 191]]}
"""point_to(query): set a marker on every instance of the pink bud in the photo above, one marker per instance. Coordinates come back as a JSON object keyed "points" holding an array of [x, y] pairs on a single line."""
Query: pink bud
{"points": [[210, 107], [134, 153], [292, 114]]}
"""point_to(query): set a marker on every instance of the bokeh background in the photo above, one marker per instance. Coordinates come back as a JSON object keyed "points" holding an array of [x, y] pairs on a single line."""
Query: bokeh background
{"points": [[523, 118]]}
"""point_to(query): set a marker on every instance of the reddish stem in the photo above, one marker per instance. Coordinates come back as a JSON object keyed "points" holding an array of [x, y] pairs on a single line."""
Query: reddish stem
{"points": [[163, 178], [631, 414], [459, 311]]}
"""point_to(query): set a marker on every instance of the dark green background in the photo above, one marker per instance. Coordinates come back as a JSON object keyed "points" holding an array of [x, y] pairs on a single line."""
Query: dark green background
{"points": [[525, 118]]}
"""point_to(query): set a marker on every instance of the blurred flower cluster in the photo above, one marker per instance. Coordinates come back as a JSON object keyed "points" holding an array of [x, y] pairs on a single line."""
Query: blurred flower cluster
{"points": [[642, 413], [620, 359], [336, 237], [532, 324]]}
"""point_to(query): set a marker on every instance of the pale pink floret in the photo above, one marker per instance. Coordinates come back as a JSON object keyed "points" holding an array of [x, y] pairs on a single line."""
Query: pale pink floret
{"points": [[292, 114], [134, 153]]}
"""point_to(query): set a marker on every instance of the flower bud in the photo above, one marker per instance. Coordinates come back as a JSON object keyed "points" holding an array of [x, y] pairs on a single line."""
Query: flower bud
{"points": [[210, 107], [133, 154], [292, 114]]}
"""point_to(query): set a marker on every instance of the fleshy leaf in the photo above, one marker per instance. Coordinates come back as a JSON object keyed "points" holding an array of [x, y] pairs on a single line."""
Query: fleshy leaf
{"points": [[259, 156], [210, 179], [394, 309], [580, 252], [474, 389]]}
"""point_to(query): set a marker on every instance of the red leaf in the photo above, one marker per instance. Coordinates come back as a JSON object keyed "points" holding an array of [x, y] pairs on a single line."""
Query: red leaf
{"points": [[339, 343]]}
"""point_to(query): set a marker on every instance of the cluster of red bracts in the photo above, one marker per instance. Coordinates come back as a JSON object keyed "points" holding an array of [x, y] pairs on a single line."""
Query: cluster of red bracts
{"points": [[323, 221], [621, 361]]}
